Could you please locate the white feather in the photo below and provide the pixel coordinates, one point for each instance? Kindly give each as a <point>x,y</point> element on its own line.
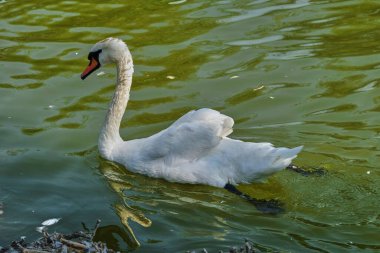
<point>50,222</point>
<point>40,229</point>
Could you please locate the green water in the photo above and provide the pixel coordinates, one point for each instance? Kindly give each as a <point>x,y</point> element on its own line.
<point>291,72</point>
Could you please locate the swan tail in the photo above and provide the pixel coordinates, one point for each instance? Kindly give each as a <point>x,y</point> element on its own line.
<point>227,125</point>
<point>285,156</point>
<point>271,162</point>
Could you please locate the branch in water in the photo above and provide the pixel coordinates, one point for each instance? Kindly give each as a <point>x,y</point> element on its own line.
<point>57,242</point>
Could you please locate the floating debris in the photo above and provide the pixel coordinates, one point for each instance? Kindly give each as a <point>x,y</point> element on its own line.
<point>84,242</point>
<point>234,77</point>
<point>57,242</point>
<point>50,222</point>
<point>271,97</point>
<point>170,77</point>
<point>313,171</point>
<point>101,73</point>
<point>368,172</point>
<point>258,88</point>
<point>40,229</point>
<point>178,2</point>
<point>1,209</point>
<point>248,247</point>
<point>46,223</point>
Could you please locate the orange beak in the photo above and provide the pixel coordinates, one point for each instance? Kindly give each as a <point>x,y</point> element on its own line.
<point>92,66</point>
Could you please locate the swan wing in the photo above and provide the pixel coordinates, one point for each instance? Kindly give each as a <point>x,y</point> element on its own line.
<point>222,124</point>
<point>191,137</point>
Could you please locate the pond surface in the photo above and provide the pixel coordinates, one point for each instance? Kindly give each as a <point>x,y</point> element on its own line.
<point>290,72</point>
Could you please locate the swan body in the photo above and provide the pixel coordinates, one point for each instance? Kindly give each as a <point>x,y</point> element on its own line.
<point>194,149</point>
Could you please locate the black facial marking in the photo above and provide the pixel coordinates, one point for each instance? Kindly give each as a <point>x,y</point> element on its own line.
<point>94,55</point>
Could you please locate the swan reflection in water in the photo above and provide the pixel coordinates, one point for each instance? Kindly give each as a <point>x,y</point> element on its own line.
<point>117,179</point>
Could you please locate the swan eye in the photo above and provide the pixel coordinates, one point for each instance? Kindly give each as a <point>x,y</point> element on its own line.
<point>94,55</point>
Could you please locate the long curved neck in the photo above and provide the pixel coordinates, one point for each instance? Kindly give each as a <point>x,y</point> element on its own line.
<point>110,135</point>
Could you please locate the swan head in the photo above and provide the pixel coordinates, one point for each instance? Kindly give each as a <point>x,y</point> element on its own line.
<point>110,50</point>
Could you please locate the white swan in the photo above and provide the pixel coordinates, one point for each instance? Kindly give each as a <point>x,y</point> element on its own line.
<point>194,149</point>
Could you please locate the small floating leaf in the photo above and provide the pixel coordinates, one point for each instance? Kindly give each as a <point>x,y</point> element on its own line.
<point>178,2</point>
<point>50,222</point>
<point>258,88</point>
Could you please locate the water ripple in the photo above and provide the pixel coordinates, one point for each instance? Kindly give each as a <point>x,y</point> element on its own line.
<point>248,14</point>
<point>292,73</point>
